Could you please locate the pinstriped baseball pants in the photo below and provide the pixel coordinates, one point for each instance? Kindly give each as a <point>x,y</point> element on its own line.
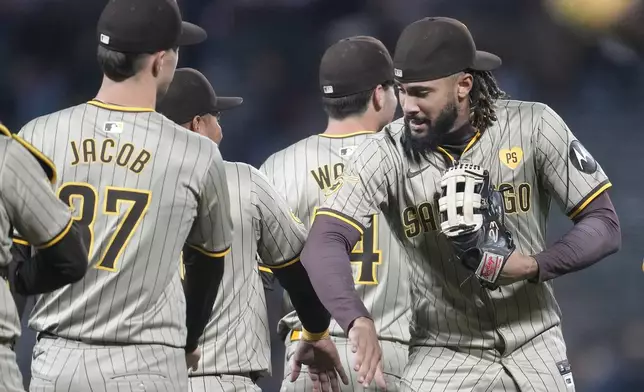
<point>70,366</point>
<point>394,356</point>
<point>223,383</point>
<point>530,368</point>
<point>10,377</point>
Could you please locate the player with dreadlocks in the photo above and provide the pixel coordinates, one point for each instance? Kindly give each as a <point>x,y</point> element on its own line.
<point>482,100</point>
<point>484,314</point>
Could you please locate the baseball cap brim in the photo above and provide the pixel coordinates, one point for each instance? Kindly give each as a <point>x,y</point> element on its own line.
<point>191,34</point>
<point>485,61</point>
<point>225,103</point>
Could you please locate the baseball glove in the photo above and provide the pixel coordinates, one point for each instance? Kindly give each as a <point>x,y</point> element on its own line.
<point>472,217</point>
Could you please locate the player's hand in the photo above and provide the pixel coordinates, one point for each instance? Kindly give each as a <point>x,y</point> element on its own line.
<point>518,267</point>
<point>192,359</point>
<point>321,356</point>
<point>368,360</point>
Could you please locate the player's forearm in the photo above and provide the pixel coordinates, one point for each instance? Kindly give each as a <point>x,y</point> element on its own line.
<point>596,234</point>
<point>326,259</point>
<point>310,310</point>
<point>54,267</point>
<point>201,283</point>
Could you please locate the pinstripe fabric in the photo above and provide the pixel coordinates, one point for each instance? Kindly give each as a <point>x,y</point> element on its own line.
<point>450,309</point>
<point>237,339</point>
<point>394,356</point>
<point>304,173</point>
<point>28,203</point>
<point>224,383</point>
<point>10,376</point>
<point>70,366</point>
<point>142,176</point>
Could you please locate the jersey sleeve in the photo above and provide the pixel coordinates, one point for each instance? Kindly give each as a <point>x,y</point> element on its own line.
<point>364,187</point>
<point>565,167</point>
<point>282,234</point>
<point>36,213</point>
<point>267,166</point>
<point>212,230</point>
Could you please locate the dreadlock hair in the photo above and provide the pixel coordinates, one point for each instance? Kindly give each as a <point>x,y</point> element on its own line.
<point>485,91</point>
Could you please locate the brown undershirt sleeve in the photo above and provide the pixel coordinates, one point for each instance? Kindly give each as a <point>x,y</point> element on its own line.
<point>326,259</point>
<point>596,234</point>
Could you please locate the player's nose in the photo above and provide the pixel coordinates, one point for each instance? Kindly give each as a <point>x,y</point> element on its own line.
<point>409,105</point>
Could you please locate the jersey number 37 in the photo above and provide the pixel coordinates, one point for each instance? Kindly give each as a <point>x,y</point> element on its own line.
<point>85,198</point>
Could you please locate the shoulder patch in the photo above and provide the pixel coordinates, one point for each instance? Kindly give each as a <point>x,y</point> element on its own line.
<point>581,158</point>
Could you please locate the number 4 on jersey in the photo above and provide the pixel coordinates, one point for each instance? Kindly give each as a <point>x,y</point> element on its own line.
<point>367,255</point>
<point>87,196</point>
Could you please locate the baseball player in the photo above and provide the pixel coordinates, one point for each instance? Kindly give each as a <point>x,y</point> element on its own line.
<point>356,79</point>
<point>235,346</point>
<point>28,203</point>
<point>484,314</point>
<point>145,187</point>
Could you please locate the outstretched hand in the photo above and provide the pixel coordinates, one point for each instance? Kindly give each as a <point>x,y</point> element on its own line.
<point>366,346</point>
<point>321,356</point>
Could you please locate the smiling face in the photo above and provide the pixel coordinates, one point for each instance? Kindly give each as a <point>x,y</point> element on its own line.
<point>431,108</point>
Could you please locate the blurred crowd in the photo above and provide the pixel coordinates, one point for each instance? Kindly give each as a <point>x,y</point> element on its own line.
<point>267,51</point>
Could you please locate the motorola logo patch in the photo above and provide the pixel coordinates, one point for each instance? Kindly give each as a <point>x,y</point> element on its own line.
<point>581,158</point>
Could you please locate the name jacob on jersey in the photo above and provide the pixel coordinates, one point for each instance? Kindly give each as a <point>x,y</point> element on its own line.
<point>109,151</point>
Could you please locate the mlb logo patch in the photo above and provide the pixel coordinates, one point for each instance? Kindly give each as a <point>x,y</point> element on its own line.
<point>113,127</point>
<point>328,89</point>
<point>398,72</point>
<point>105,39</point>
<point>347,151</point>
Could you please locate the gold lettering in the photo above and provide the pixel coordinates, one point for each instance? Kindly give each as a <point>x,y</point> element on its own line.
<point>76,154</point>
<point>122,159</point>
<point>140,161</point>
<point>89,151</point>
<point>107,158</point>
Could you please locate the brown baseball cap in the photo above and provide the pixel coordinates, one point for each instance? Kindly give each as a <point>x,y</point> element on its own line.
<point>190,94</point>
<point>145,26</point>
<point>436,47</point>
<point>353,65</point>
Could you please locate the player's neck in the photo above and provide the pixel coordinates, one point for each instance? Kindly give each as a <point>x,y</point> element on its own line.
<point>350,125</point>
<point>129,93</point>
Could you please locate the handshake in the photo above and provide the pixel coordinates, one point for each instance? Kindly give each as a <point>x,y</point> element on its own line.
<point>324,366</point>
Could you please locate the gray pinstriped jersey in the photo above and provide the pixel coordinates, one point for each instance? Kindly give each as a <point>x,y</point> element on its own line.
<point>28,203</point>
<point>531,149</point>
<point>237,338</point>
<point>304,173</point>
<point>145,186</point>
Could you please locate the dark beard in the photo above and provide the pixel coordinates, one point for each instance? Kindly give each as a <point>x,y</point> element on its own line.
<point>416,147</point>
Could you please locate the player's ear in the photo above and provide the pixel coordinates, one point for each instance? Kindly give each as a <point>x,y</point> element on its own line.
<point>195,124</point>
<point>464,83</point>
<point>157,63</point>
<point>378,98</point>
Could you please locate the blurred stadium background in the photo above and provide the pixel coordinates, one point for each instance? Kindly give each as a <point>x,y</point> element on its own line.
<point>582,57</point>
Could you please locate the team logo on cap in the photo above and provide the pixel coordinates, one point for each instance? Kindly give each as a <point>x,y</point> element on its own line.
<point>398,72</point>
<point>328,89</point>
